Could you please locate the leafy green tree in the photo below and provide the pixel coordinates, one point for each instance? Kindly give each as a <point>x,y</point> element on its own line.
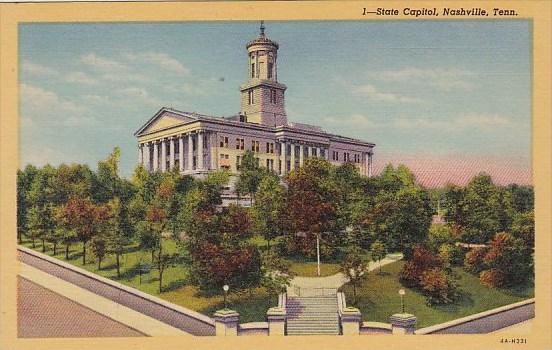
<point>354,266</point>
<point>378,252</point>
<point>251,175</point>
<point>522,197</point>
<point>99,248</point>
<point>107,183</point>
<point>511,257</point>
<point>40,216</point>
<point>25,179</point>
<point>268,210</point>
<point>454,207</point>
<point>276,274</point>
<point>523,226</point>
<point>438,235</point>
<point>120,230</point>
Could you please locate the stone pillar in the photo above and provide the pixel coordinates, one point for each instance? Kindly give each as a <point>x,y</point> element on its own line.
<point>350,321</point>
<point>163,155</point>
<point>140,154</point>
<point>309,151</point>
<point>292,157</point>
<point>370,164</point>
<point>213,149</point>
<point>147,161</point>
<point>402,323</point>
<point>190,151</point>
<point>171,156</point>
<point>181,153</point>
<point>200,150</point>
<point>226,322</point>
<point>155,156</point>
<point>318,152</point>
<point>283,157</point>
<point>327,153</point>
<point>301,155</point>
<point>276,317</point>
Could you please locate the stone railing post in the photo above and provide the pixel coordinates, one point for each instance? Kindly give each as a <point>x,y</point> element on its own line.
<point>276,317</point>
<point>226,322</point>
<point>402,323</point>
<point>350,321</point>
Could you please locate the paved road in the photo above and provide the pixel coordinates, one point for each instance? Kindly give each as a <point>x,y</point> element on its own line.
<point>333,281</point>
<point>157,311</point>
<point>43,313</point>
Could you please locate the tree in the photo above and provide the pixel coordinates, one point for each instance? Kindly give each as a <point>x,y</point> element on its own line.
<point>40,215</point>
<point>354,266</point>
<point>378,252</point>
<point>276,275</point>
<point>311,200</point>
<point>422,260</point>
<point>86,218</point>
<point>99,249</point>
<point>474,260</point>
<point>511,257</point>
<point>523,226</point>
<point>251,175</point>
<point>107,183</point>
<point>25,179</point>
<point>268,211</point>
<point>163,262</point>
<point>120,231</point>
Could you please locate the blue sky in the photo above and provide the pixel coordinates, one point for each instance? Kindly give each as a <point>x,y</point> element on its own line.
<point>449,99</point>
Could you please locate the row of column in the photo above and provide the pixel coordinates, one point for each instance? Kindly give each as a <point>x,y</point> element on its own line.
<point>292,145</point>
<point>145,151</point>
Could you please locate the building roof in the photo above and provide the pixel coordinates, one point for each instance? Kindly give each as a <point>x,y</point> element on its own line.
<point>188,117</point>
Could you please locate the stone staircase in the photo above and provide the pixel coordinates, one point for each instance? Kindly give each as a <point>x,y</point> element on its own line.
<point>316,315</point>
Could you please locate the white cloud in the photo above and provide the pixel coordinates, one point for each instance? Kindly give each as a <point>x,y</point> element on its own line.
<point>371,92</point>
<point>444,79</point>
<point>80,78</point>
<point>462,122</point>
<point>102,63</point>
<point>161,59</point>
<point>37,99</point>
<point>356,119</point>
<point>37,69</point>
<point>78,120</point>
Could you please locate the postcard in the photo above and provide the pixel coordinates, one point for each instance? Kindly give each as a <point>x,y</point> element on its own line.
<point>294,174</point>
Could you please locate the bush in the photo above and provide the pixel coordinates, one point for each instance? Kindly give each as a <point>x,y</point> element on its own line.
<point>458,255</point>
<point>438,287</point>
<point>422,260</point>
<point>492,278</point>
<point>512,257</point>
<point>474,261</point>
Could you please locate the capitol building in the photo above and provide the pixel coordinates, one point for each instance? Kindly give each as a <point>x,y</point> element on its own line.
<point>197,144</point>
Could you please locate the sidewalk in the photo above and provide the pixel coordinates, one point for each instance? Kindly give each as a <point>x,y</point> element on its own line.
<point>101,305</point>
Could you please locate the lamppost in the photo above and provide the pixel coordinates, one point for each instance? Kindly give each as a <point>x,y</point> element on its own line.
<point>225,288</point>
<point>402,293</point>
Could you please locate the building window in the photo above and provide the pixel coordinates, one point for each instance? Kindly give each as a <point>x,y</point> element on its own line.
<point>238,162</point>
<point>251,97</point>
<point>255,146</point>
<point>243,118</point>
<point>273,96</point>
<point>335,155</point>
<point>252,70</point>
<point>237,143</point>
<point>268,163</point>
<point>223,141</point>
<point>269,70</point>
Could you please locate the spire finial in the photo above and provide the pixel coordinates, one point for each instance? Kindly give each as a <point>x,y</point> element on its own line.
<point>262,28</point>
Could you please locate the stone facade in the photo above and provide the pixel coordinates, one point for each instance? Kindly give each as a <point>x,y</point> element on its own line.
<point>197,144</point>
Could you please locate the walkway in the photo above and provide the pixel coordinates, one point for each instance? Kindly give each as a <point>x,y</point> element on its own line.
<point>42,313</point>
<point>332,282</point>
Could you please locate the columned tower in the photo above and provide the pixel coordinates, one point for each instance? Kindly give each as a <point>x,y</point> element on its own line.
<point>262,96</point>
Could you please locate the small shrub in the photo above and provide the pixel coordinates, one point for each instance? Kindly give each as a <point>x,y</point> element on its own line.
<point>438,287</point>
<point>422,259</point>
<point>492,278</point>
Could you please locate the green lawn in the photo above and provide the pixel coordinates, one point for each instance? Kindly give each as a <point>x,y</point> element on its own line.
<point>378,298</point>
<point>306,268</point>
<point>251,306</point>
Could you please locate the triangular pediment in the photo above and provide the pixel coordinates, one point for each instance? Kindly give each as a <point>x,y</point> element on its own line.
<point>164,119</point>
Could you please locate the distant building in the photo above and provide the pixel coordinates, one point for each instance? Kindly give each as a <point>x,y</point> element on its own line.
<point>197,144</point>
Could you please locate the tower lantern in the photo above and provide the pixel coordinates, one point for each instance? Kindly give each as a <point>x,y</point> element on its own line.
<point>262,96</point>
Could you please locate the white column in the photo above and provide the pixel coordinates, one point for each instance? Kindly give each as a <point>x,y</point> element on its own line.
<point>163,155</point>
<point>155,156</point>
<point>292,157</point>
<point>309,151</point>
<point>301,155</point>
<point>147,157</point>
<point>370,164</point>
<point>190,151</point>
<point>213,149</point>
<point>140,155</point>
<point>327,153</point>
<point>283,157</point>
<point>318,152</point>
<point>200,150</point>
<point>181,153</point>
<point>171,155</point>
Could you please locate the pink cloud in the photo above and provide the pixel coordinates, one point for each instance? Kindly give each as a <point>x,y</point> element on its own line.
<point>438,170</point>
